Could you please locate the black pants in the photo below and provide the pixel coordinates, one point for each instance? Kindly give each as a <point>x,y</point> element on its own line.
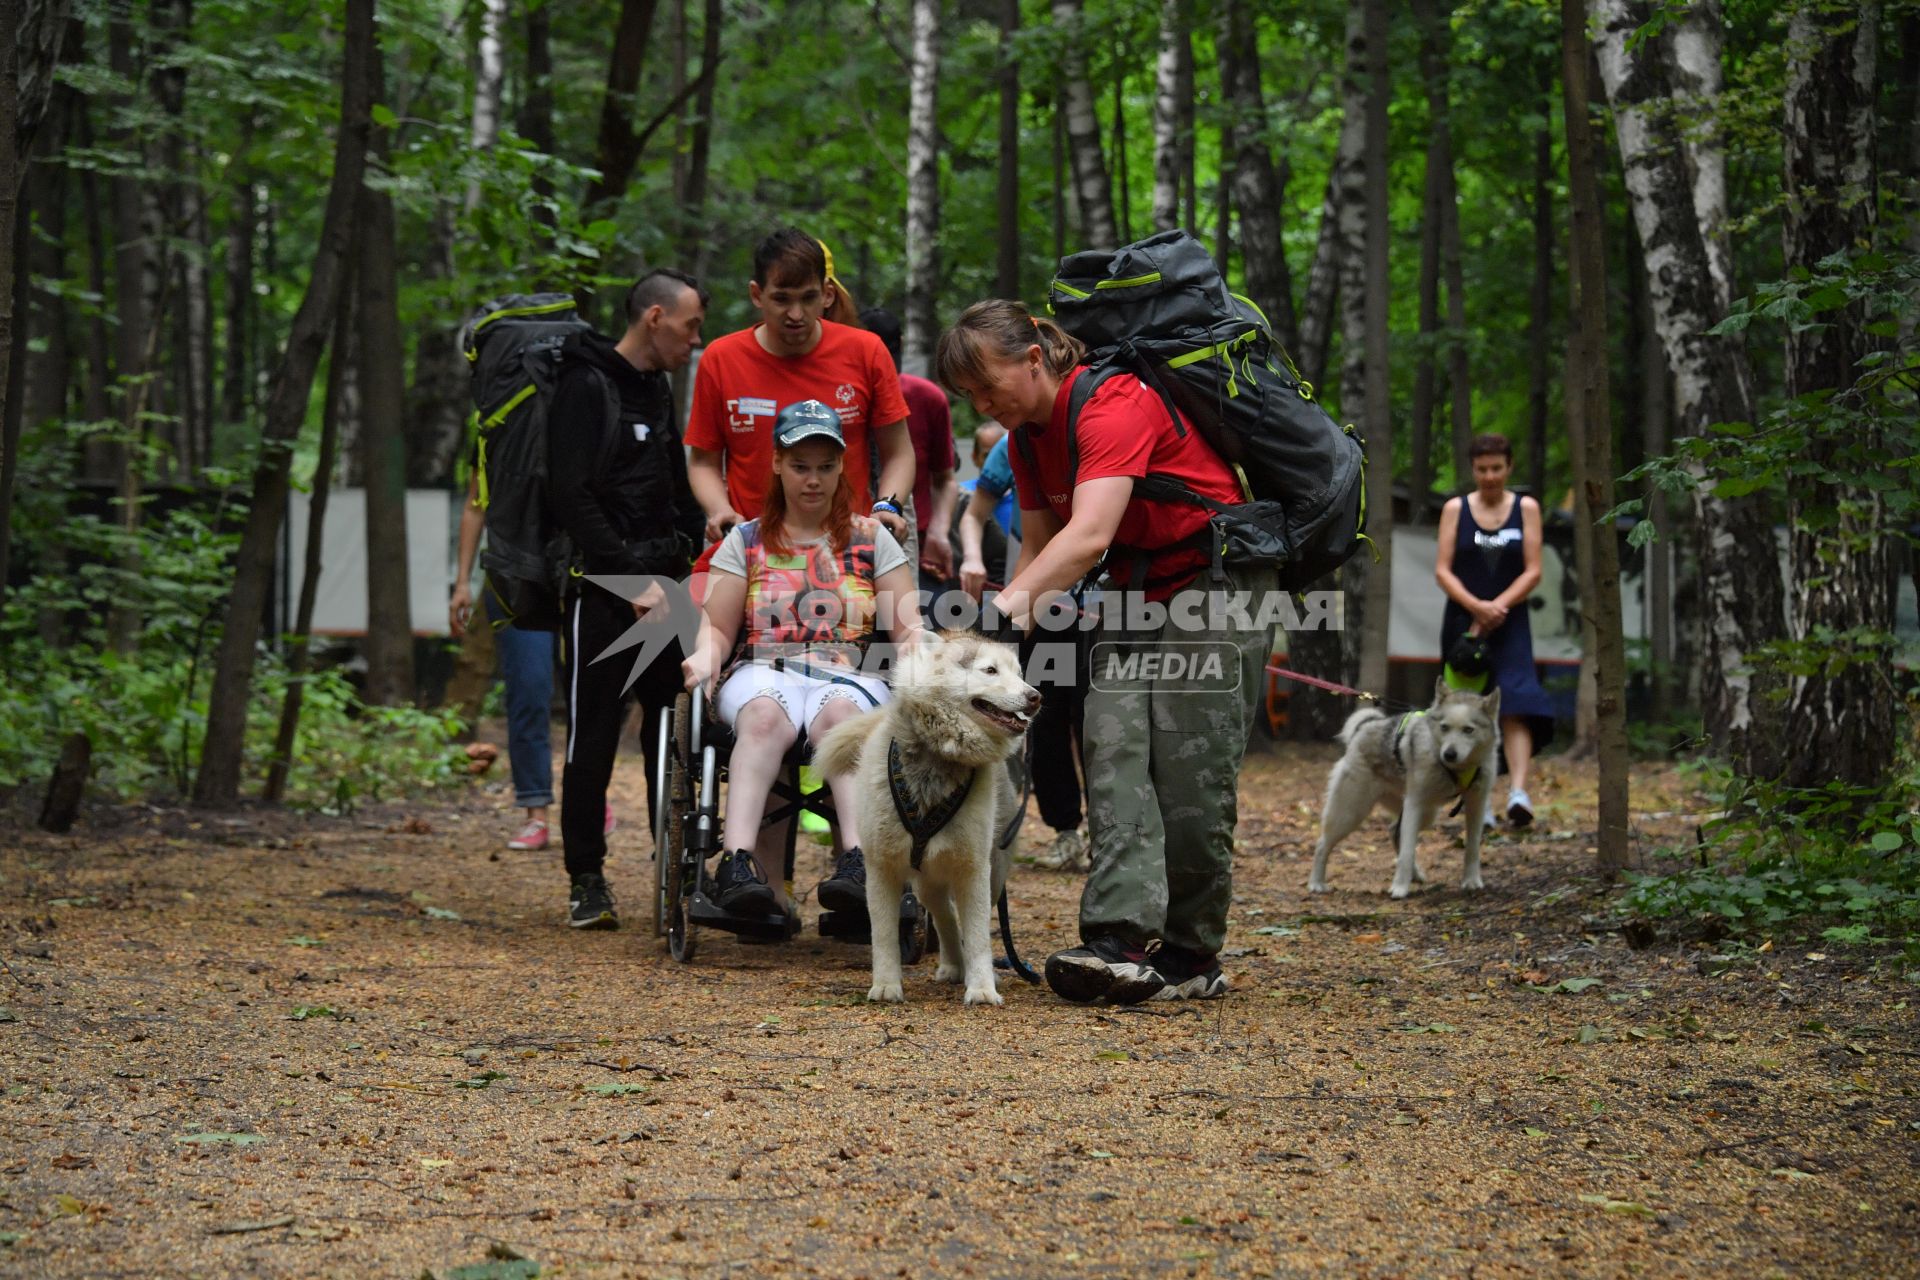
<point>1056,754</point>
<point>596,710</point>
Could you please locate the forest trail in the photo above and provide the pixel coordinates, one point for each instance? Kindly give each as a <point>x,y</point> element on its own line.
<point>274,1045</point>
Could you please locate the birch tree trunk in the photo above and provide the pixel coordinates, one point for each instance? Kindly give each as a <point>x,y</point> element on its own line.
<point>923,188</point>
<point>1428,288</point>
<point>1587,390</point>
<point>1697,38</point>
<point>1092,187</point>
<point>1378,422</point>
<point>1540,296</point>
<point>1841,718</point>
<point>1743,609</point>
<point>1259,187</point>
<point>536,106</point>
<point>1340,216</point>
<point>1007,187</point>
<point>383,435</point>
<point>1184,134</point>
<point>218,783</point>
<point>489,72</point>
<point>1176,48</point>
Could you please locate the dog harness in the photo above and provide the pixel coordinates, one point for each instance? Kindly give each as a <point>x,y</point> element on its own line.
<point>921,826</point>
<point>1461,781</point>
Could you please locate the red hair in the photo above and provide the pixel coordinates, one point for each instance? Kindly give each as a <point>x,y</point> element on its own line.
<point>773,514</point>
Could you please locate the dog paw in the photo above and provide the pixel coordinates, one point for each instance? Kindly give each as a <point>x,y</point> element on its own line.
<point>889,992</point>
<point>947,972</point>
<point>1473,882</point>
<point>983,995</point>
<point>1317,886</point>
<point>1399,891</point>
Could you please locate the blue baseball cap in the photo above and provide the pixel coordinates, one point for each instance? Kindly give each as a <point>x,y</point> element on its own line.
<point>804,420</point>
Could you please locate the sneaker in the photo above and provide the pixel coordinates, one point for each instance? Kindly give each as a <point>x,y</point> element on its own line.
<point>846,888</point>
<point>592,903</point>
<point>1068,852</point>
<point>740,889</point>
<point>611,824</point>
<point>1519,809</point>
<point>1105,968</point>
<point>1189,975</point>
<point>532,836</point>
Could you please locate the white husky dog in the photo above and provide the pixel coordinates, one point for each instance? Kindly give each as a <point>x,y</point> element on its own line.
<point>1422,760</point>
<point>937,797</point>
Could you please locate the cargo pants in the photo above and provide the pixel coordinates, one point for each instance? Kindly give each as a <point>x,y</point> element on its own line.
<point>1163,743</point>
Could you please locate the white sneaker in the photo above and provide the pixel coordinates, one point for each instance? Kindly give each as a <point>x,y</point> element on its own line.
<point>1519,809</point>
<point>1068,852</point>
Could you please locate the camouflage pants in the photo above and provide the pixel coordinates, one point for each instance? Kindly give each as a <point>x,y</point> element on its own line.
<point>1163,743</point>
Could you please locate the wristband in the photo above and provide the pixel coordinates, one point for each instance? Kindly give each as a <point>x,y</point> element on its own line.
<point>888,505</point>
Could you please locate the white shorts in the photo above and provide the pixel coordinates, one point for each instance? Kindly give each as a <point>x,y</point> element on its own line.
<point>800,696</point>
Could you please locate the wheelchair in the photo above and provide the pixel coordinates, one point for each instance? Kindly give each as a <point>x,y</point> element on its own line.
<point>689,776</point>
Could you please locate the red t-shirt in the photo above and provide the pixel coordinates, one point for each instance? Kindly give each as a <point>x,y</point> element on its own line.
<point>930,423</point>
<point>740,386</point>
<point>1124,430</point>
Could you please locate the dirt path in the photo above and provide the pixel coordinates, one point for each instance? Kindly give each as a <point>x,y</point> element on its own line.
<point>281,1047</point>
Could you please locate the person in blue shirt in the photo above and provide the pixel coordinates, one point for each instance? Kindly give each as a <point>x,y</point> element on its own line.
<point>1055,734</point>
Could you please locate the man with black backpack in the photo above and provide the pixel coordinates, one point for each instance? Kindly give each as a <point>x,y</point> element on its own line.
<point>617,485</point>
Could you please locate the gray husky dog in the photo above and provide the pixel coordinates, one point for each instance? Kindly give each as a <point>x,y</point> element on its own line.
<point>938,803</point>
<point>1422,760</point>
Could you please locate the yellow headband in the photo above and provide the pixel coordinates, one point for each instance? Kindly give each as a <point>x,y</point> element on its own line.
<point>831,278</point>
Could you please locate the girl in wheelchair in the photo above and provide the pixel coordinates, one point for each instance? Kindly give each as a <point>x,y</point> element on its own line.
<point>801,591</point>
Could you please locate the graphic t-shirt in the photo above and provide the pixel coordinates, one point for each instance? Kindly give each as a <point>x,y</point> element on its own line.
<point>740,386</point>
<point>1124,430</point>
<point>812,600</point>
<point>930,425</point>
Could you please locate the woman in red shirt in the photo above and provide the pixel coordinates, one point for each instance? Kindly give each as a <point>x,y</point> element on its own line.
<point>1169,699</point>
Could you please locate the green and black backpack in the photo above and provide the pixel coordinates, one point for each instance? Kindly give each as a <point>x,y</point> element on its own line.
<point>1160,310</point>
<point>513,344</point>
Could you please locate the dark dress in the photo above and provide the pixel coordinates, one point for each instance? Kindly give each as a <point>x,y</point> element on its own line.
<point>1487,561</point>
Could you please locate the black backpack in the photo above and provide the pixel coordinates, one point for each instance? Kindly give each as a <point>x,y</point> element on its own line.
<point>513,344</point>
<point>1160,310</point>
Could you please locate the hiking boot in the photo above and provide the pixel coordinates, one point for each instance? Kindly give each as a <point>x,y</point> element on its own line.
<point>1189,975</point>
<point>846,888</point>
<point>532,836</point>
<point>1068,852</point>
<point>1519,809</point>
<point>740,889</point>
<point>591,905</point>
<point>1104,968</point>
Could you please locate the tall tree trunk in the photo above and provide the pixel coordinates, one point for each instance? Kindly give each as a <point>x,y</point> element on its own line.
<point>1007,188</point>
<point>1697,38</point>
<point>300,643</point>
<point>1185,134</point>
<point>1176,52</point>
<point>383,436</point>
<point>489,73</point>
<point>11,221</point>
<point>1436,55</point>
<point>923,188</point>
<point>1379,416</point>
<point>536,108</point>
<point>1655,385</point>
<point>1123,198</point>
<point>218,783</point>
<point>1587,389</point>
<point>1259,186</point>
<point>236,382</point>
<point>1428,289</point>
<point>1059,173</point>
<point>1324,277</point>
<point>619,145</point>
<point>98,389</point>
<point>1743,608</point>
<point>1841,717</point>
<point>1092,188</point>
<point>1540,296</point>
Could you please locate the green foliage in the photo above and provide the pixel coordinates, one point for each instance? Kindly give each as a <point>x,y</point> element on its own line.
<point>1835,862</point>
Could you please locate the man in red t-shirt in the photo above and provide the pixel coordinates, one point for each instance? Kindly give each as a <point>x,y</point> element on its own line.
<point>936,482</point>
<point>793,354</point>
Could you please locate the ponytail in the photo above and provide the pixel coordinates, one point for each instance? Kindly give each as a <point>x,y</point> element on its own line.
<point>1003,329</point>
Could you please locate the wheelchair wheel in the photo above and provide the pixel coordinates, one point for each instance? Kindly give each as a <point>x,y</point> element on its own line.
<point>682,867</point>
<point>666,801</point>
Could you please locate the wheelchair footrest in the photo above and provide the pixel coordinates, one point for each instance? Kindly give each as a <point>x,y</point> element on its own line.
<point>708,914</point>
<point>851,926</point>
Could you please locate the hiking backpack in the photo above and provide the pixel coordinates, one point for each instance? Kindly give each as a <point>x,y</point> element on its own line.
<point>1160,310</point>
<point>513,344</point>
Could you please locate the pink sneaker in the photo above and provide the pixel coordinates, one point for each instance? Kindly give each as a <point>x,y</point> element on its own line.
<point>532,836</point>
<point>612,822</point>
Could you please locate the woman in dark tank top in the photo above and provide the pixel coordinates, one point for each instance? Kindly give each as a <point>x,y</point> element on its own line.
<point>1488,564</point>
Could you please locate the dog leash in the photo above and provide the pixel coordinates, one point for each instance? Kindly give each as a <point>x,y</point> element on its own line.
<point>1328,685</point>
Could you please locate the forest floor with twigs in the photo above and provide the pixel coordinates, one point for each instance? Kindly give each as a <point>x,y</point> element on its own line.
<point>271,1044</point>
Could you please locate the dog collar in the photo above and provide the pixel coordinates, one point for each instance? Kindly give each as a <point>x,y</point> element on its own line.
<point>922,827</point>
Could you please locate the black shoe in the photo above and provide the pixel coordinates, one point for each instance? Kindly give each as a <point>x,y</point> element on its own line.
<point>591,903</point>
<point>846,889</point>
<point>740,889</point>
<point>1189,975</point>
<point>1105,968</point>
